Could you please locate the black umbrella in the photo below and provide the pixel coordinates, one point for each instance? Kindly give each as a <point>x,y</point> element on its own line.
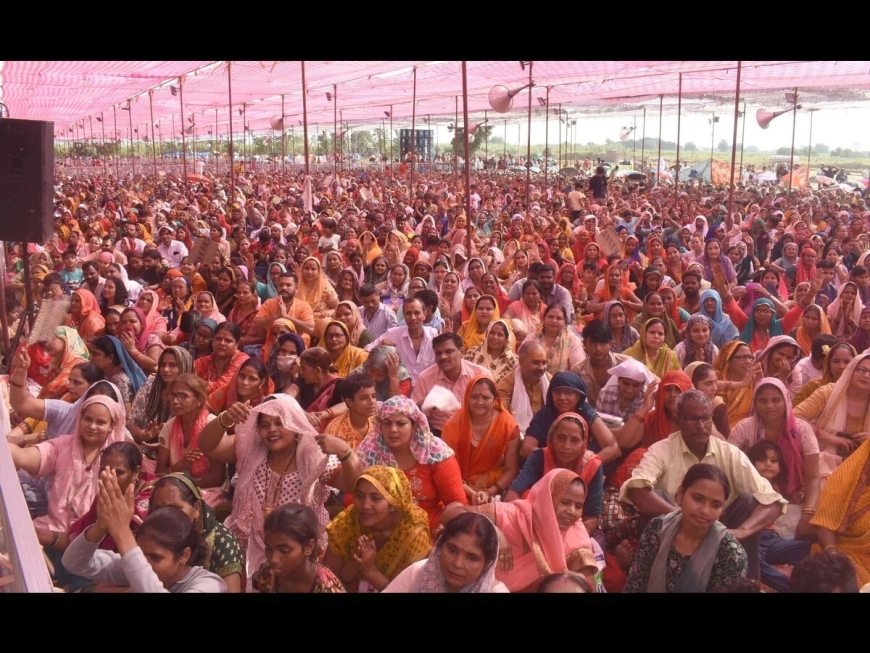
<point>635,176</point>
<point>569,172</point>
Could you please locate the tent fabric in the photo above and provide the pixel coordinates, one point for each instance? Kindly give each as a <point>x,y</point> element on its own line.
<point>69,92</point>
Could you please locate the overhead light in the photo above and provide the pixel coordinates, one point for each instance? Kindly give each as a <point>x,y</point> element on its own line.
<point>523,64</point>
<point>387,114</point>
<point>542,102</point>
<point>791,98</point>
<point>99,119</point>
<point>328,97</point>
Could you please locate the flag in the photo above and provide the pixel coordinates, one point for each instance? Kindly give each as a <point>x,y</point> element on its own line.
<point>173,90</point>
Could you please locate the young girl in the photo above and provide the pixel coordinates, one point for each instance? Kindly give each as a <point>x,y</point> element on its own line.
<point>689,550</point>
<point>773,549</point>
<point>291,555</point>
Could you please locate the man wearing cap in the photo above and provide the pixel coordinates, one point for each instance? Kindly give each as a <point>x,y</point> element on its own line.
<point>173,251</point>
<point>624,393</point>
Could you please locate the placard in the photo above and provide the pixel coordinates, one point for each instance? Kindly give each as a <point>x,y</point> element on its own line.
<point>609,241</point>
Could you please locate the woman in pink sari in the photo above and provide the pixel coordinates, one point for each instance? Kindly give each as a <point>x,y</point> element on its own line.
<point>541,535</point>
<point>149,302</point>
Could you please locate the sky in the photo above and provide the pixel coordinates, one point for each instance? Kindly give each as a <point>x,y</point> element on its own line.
<point>833,127</point>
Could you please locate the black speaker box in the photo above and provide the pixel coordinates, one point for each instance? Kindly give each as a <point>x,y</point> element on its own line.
<point>26,180</point>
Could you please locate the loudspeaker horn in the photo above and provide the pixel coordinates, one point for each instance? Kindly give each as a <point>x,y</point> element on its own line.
<point>763,117</point>
<point>277,123</point>
<point>501,98</point>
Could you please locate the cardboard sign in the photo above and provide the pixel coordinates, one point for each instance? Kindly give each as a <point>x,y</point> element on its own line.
<point>203,251</point>
<point>609,241</point>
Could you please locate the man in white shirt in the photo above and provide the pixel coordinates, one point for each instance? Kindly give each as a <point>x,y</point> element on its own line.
<point>130,243</point>
<point>173,251</point>
<point>376,317</point>
<point>413,342</point>
<point>450,372</point>
<point>751,506</point>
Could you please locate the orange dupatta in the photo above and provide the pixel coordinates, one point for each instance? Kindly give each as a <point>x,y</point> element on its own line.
<point>481,466</point>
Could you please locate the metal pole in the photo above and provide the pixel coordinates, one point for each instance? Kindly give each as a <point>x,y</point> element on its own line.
<point>742,140</point>
<point>728,219</point>
<point>546,135</point>
<point>334,129</point>
<point>117,147</point>
<point>634,144</point>
<point>810,151</point>
<point>793,128</point>
<point>467,167</point>
<point>305,121</point>
<point>232,197</point>
<point>283,143</point>
<point>504,145</point>
<point>130,118</point>
<point>183,138</point>
<point>486,140</point>
<point>560,134</point>
<point>679,109</point>
<point>643,140</point>
<point>391,141</point>
<point>529,144</point>
<point>456,142</point>
<point>153,146</point>
<point>414,133</point>
<point>214,141</point>
<point>712,138</point>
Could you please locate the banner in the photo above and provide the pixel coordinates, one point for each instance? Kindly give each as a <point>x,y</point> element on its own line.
<point>722,174</point>
<point>801,178</point>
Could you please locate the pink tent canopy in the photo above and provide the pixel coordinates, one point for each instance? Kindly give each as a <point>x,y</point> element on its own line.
<point>69,91</point>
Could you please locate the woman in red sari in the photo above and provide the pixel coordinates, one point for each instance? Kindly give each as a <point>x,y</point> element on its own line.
<point>486,439</point>
<point>85,316</point>
<point>660,422</point>
<point>219,368</point>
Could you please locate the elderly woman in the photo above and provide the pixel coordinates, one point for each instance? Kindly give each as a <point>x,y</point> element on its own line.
<point>402,439</point>
<point>497,352</point>
<point>337,342</point>
<point>779,359</point>
<point>279,459</point>
<point>384,367</point>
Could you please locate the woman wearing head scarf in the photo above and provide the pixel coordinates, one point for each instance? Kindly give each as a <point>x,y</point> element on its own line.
<point>315,289</point>
<point>497,350</point>
<point>813,323</point>
<point>348,313</point>
<point>779,359</point>
<point>225,291</point>
<point>394,290</point>
<point>67,350</point>
<point>377,271</point>
<point>206,304</point>
<point>134,288</point>
<point>698,345</point>
<point>72,461</point>
<point>85,315</point>
<point>654,307</point>
<point>844,312</point>
<point>380,534</point>
<point>486,439</point>
<point>542,534</point>
<point>385,368</point>
<point>861,338</point>
<point>149,303</point>
<point>179,300</point>
<point>564,348</point>
<point>652,350</point>
<point>278,460</point>
<point>337,342</point>
<point>427,461</point>
<point>736,379</point>
<point>268,290</point>
<point>723,330</point>
<point>623,334</point>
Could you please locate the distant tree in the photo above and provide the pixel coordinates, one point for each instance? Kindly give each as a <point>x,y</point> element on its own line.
<point>496,140</point>
<point>751,148</point>
<point>690,147</point>
<point>821,148</point>
<point>783,150</point>
<point>723,146</point>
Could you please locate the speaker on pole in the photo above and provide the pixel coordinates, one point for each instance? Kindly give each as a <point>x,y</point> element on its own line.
<point>26,180</point>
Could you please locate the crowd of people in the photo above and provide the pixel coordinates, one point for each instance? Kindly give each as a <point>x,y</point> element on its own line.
<point>598,385</point>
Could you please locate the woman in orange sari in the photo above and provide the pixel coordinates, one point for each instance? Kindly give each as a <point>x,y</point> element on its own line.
<point>486,439</point>
<point>541,535</point>
<point>660,422</point>
<point>615,286</point>
<point>733,368</point>
<point>85,316</point>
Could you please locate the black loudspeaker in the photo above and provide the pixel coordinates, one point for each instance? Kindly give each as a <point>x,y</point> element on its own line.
<point>422,146</point>
<point>26,180</point>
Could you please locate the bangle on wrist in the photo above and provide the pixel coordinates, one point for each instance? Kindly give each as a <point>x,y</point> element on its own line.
<point>54,539</point>
<point>637,418</point>
<point>347,455</point>
<point>806,510</point>
<point>221,421</point>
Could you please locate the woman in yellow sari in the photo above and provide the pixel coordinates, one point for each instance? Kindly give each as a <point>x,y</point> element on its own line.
<point>736,385</point>
<point>651,349</point>
<point>842,518</point>
<point>369,247</point>
<point>837,358</point>
<point>486,439</point>
<point>314,288</point>
<point>382,533</point>
<point>345,357</point>
<point>474,331</point>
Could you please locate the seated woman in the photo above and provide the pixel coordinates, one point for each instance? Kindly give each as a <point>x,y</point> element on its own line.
<point>564,348</point>
<point>861,338</point>
<point>463,560</point>
<point>279,458</point>
<point>497,350</point>
<point>67,350</point>
<point>151,405</point>
<point>842,521</point>
<point>337,342</point>
<point>163,556</point>
<point>567,448</point>
<point>652,350</point>
<point>486,439</point>
<point>85,316</point>
<point>689,550</point>
<point>654,307</point>
<point>348,314</point>
<point>539,535</point>
<point>840,413</point>
<point>72,462</point>
<point>844,313</point>
<point>200,343</point>
<point>473,332</point>
<point>737,375</point>
<point>773,419</point>
<point>567,394</point>
<point>402,439</point>
<point>222,555</point>
<point>315,289</point>
<point>148,303</point>
<point>530,309</point>
<point>698,345</point>
<point>251,384</point>
<point>704,379</point>
<point>245,310</point>
<point>219,369</point>
<point>143,346</point>
<point>278,328</point>
<point>179,449</point>
<point>283,365</point>
<point>384,367</point>
<point>779,359</point>
<point>315,386</point>
<point>380,534</point>
<point>834,364</point>
<point>118,367</point>
<point>724,330</point>
<point>813,322</point>
<point>650,426</point>
<point>624,335</point>
<point>292,555</point>
<point>226,285</point>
